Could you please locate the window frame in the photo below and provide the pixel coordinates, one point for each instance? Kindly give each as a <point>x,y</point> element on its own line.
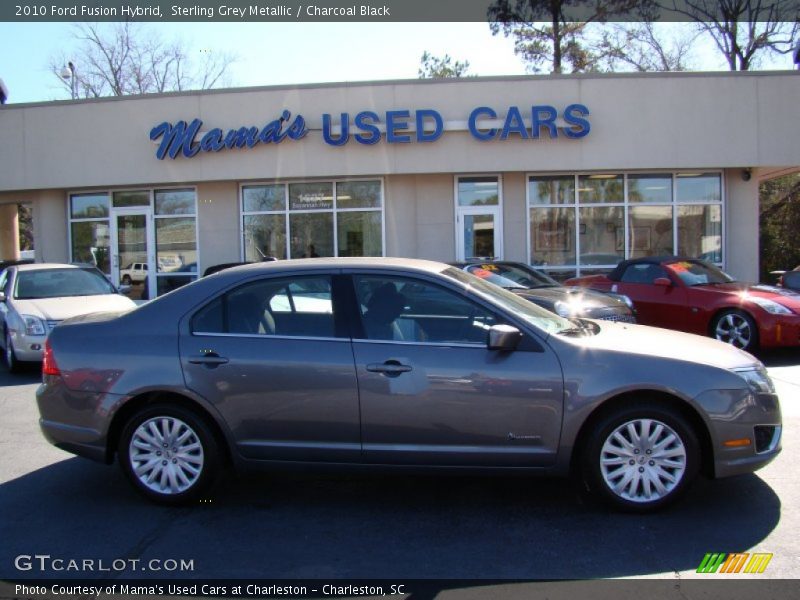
<point>287,211</point>
<point>579,269</point>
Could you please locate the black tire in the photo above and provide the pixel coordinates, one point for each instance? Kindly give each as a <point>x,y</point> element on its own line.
<point>200,432</point>
<point>126,280</point>
<point>735,327</point>
<point>14,365</point>
<point>639,495</point>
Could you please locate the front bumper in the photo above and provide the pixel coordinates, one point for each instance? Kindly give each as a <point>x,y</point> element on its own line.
<point>776,331</point>
<point>28,348</point>
<point>745,430</point>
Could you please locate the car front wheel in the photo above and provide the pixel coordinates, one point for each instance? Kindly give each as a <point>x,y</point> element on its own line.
<point>641,458</point>
<point>12,363</point>
<point>737,328</point>
<point>169,454</point>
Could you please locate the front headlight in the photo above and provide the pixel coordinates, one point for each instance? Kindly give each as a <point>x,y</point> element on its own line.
<point>568,309</point>
<point>33,325</point>
<point>757,378</point>
<point>770,306</point>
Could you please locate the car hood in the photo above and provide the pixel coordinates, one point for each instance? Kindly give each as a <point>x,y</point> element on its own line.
<point>551,295</point>
<point>58,309</point>
<point>665,343</point>
<point>789,298</point>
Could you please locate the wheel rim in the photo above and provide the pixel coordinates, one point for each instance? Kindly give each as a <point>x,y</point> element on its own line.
<point>166,455</point>
<point>734,329</point>
<point>643,460</point>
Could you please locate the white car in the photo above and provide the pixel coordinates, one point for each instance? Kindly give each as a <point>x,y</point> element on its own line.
<point>34,298</point>
<point>133,273</point>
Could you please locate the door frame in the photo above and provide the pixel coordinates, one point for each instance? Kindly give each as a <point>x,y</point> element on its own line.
<point>495,211</point>
<point>150,236</point>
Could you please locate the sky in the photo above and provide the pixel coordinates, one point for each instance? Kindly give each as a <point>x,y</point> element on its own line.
<point>289,53</point>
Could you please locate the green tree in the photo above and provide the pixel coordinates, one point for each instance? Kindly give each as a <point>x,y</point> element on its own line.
<point>779,225</point>
<point>548,34</point>
<point>433,67</point>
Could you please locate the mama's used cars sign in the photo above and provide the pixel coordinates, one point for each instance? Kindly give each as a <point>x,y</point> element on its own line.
<point>368,127</point>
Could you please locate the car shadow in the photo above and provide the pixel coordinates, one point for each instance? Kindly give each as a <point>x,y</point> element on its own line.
<point>304,525</point>
<point>780,357</point>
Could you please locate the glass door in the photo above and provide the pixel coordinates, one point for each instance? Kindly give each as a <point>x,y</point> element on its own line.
<point>478,233</point>
<point>132,262</point>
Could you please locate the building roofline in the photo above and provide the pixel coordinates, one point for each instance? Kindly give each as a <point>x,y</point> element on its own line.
<point>394,82</point>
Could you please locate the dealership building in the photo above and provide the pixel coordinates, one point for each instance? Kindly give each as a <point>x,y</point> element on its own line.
<point>568,173</point>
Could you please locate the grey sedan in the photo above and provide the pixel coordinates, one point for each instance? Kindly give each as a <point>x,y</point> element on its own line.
<point>397,363</point>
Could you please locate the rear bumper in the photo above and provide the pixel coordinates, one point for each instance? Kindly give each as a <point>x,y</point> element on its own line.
<point>77,440</point>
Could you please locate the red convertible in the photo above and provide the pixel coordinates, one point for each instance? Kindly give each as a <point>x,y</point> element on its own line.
<point>692,295</point>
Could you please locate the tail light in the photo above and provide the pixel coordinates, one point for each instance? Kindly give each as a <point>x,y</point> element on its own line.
<point>49,366</point>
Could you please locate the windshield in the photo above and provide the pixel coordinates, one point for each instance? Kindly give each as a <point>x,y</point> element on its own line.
<point>526,310</point>
<point>699,273</point>
<point>59,283</point>
<point>511,276</point>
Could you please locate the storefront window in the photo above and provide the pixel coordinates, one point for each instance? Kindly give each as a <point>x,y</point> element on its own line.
<point>90,244</point>
<point>359,233</point>
<point>551,190</point>
<point>650,231</point>
<point>618,216</point>
<point>600,188</point>
<point>650,188</point>
<point>700,232</point>
<point>324,218</point>
<point>602,235</point>
<point>175,202</point>
<point>132,198</point>
<point>89,206</point>
<point>552,236</point>
<point>701,187</point>
<point>264,236</point>
<point>478,191</point>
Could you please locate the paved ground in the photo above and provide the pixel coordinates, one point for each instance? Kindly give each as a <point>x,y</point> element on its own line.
<point>345,526</point>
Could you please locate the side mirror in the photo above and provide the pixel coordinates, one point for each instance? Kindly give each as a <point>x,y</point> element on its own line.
<point>662,282</point>
<point>503,338</point>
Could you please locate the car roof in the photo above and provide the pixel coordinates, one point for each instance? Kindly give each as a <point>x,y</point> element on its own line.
<point>616,274</point>
<point>43,266</point>
<point>372,262</point>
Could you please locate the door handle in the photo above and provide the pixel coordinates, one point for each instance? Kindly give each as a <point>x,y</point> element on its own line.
<point>390,368</point>
<point>209,359</point>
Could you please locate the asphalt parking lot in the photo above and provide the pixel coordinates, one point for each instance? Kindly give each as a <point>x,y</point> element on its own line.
<point>312,525</point>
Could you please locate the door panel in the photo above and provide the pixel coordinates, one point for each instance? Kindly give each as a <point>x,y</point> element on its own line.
<point>266,354</point>
<point>458,405</point>
<point>432,393</point>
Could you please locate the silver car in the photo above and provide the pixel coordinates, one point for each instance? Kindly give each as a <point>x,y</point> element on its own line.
<point>396,362</point>
<point>36,297</point>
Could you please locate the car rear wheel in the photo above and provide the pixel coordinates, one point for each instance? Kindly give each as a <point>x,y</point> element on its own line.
<point>737,328</point>
<point>14,365</point>
<point>169,454</point>
<point>641,458</point>
<point>126,279</point>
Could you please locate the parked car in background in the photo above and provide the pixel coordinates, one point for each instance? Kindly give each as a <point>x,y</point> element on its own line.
<point>791,279</point>
<point>382,362</point>
<point>133,273</point>
<point>545,291</point>
<point>34,298</point>
<point>693,295</point>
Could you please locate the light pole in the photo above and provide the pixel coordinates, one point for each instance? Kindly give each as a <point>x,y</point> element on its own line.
<point>68,74</point>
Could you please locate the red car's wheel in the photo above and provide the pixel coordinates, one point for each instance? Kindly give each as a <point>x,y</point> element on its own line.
<point>737,328</point>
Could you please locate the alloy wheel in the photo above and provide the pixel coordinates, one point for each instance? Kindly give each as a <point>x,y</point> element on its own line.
<point>166,455</point>
<point>734,329</point>
<point>643,460</point>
